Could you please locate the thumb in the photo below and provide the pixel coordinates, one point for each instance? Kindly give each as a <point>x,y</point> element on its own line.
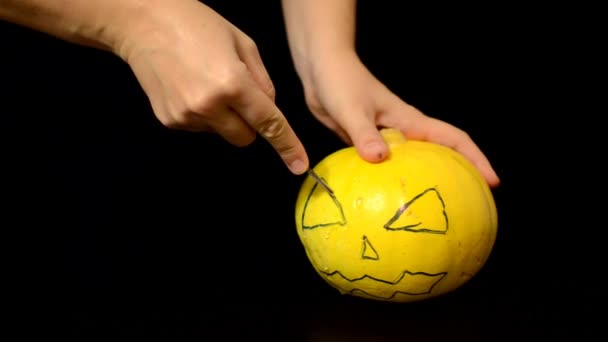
<point>366,138</point>
<point>250,55</point>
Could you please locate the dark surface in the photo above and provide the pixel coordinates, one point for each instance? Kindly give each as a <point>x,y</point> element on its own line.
<point>127,229</point>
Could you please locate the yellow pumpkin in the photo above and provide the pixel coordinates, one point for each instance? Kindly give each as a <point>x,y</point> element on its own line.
<point>417,225</point>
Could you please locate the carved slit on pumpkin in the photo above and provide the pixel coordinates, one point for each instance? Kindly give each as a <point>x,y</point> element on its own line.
<point>434,221</point>
<point>331,207</point>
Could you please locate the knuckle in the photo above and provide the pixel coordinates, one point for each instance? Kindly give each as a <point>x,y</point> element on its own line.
<point>312,101</point>
<point>177,109</point>
<point>188,118</point>
<point>225,86</point>
<point>199,101</point>
<point>230,84</point>
<point>461,133</point>
<point>272,127</point>
<point>170,117</point>
<point>287,151</point>
<point>270,90</point>
<point>182,120</point>
<point>201,104</point>
<point>172,123</point>
<point>167,121</point>
<point>181,116</point>
<point>250,45</point>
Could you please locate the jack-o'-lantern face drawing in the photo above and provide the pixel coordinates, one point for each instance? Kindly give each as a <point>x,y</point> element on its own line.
<point>416,226</point>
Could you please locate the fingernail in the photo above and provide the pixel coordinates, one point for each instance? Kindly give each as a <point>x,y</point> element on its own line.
<point>297,166</point>
<point>376,149</point>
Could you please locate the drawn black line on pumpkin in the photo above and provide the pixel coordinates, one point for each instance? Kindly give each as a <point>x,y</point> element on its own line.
<point>422,283</point>
<point>368,251</point>
<point>396,223</point>
<point>428,279</point>
<point>386,234</point>
<point>334,205</point>
<point>399,220</point>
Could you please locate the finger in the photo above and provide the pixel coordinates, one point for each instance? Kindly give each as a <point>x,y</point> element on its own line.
<point>264,117</point>
<point>443,133</point>
<point>250,55</point>
<point>364,134</point>
<point>229,125</point>
<point>190,122</point>
<point>330,123</point>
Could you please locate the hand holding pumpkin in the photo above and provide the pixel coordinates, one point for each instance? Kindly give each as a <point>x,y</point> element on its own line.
<point>343,94</point>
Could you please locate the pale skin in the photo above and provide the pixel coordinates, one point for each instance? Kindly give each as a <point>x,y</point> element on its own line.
<point>201,73</point>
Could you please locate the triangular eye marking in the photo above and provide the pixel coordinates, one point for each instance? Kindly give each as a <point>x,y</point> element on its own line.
<point>369,252</point>
<point>431,218</point>
<point>328,210</point>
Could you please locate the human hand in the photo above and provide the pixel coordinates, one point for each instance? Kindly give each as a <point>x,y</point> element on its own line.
<point>343,95</point>
<point>201,73</point>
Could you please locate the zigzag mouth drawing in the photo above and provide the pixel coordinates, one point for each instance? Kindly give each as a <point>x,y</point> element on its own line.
<point>405,284</point>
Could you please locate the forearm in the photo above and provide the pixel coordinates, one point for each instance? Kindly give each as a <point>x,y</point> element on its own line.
<point>95,23</point>
<point>319,29</point>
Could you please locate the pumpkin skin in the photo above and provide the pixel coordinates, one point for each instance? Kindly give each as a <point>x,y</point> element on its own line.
<point>418,225</point>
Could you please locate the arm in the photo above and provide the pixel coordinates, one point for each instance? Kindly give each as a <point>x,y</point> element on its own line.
<point>318,30</point>
<point>200,72</point>
<point>86,22</point>
<point>343,94</point>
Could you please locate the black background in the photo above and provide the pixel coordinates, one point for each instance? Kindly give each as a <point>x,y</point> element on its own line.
<point>127,229</point>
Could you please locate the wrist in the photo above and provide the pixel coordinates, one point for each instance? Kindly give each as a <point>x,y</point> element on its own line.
<point>119,25</point>
<point>145,24</point>
<point>103,25</point>
<point>322,60</point>
<point>110,25</point>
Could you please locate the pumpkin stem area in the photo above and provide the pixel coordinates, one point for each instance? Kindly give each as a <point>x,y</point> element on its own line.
<point>392,136</point>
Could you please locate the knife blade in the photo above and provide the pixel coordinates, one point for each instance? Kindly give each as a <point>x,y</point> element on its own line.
<point>321,182</point>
